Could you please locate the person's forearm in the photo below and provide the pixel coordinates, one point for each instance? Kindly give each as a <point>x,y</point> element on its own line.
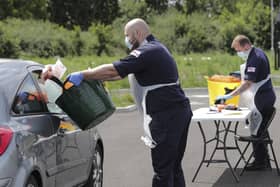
<point>244,86</point>
<point>113,78</point>
<point>102,72</point>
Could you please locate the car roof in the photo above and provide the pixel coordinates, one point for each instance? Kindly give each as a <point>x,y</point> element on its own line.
<point>12,73</point>
<point>13,70</point>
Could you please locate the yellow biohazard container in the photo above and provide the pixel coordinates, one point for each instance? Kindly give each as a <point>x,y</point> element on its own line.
<point>218,88</point>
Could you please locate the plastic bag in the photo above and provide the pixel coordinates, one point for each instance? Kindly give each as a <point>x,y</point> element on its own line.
<point>58,69</point>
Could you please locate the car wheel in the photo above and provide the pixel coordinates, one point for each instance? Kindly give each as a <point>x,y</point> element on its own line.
<point>32,182</point>
<point>96,175</point>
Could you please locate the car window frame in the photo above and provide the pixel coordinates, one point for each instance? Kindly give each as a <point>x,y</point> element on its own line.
<point>61,114</point>
<point>31,69</point>
<point>13,113</point>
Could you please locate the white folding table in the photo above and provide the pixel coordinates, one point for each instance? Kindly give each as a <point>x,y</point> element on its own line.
<point>222,121</point>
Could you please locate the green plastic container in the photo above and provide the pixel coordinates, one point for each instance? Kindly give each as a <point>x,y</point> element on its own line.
<point>87,104</point>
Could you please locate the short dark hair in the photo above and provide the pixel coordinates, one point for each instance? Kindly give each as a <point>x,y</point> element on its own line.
<point>242,40</point>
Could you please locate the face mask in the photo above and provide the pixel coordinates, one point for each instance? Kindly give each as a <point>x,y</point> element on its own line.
<point>127,43</point>
<point>243,54</point>
<point>131,46</point>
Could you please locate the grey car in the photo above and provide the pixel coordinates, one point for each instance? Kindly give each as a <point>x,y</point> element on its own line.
<point>39,144</point>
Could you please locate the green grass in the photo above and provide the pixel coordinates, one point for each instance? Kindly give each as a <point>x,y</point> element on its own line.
<point>192,69</point>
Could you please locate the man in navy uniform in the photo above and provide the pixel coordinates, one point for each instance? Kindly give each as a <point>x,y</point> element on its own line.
<point>166,111</point>
<point>257,92</point>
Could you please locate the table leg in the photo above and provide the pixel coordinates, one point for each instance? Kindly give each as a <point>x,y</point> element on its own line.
<point>236,142</point>
<point>204,151</point>
<point>242,156</point>
<point>225,151</point>
<point>238,148</point>
<point>217,137</point>
<point>224,147</point>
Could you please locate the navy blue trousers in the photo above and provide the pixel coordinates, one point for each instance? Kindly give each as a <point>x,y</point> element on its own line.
<point>260,148</point>
<point>170,130</point>
<point>264,102</point>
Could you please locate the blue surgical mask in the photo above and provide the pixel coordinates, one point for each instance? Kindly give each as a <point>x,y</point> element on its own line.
<point>128,43</point>
<point>243,54</point>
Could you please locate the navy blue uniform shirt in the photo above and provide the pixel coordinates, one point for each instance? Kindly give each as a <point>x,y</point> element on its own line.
<point>153,64</point>
<point>257,69</point>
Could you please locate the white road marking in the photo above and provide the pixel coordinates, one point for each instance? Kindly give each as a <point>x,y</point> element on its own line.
<point>198,96</point>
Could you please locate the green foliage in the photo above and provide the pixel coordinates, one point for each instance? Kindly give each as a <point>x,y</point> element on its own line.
<point>105,11</point>
<point>45,39</point>
<point>249,19</point>
<point>40,39</point>
<point>202,33</point>
<point>193,5</point>
<point>131,9</point>
<point>103,34</point>
<point>211,7</point>
<point>97,26</point>
<point>163,27</point>
<point>8,45</point>
<point>70,13</point>
<point>193,67</point>
<point>184,34</point>
<point>159,6</point>
<point>78,43</point>
<point>24,9</point>
<point>83,13</point>
<point>121,99</point>
<point>260,24</point>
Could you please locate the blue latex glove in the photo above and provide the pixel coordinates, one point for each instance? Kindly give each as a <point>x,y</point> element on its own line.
<point>23,96</point>
<point>224,97</point>
<point>75,78</point>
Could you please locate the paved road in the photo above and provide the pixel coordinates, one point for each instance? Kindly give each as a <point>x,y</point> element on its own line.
<point>128,164</point>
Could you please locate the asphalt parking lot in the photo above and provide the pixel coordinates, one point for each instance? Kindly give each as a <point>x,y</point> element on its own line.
<point>127,160</point>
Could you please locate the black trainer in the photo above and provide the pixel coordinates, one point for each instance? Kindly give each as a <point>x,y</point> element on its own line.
<point>257,166</point>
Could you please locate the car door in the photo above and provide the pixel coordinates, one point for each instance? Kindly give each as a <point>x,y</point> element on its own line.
<point>35,138</point>
<point>73,146</point>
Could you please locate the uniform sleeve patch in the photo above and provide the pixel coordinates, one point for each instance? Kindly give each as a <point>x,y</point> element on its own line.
<point>135,53</point>
<point>251,69</point>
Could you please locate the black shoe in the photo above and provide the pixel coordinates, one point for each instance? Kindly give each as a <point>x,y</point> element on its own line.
<point>254,166</point>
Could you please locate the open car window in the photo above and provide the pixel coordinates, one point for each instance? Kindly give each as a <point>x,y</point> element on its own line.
<point>50,90</point>
<point>28,98</point>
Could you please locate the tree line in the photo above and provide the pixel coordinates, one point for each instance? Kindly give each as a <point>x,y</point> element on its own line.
<point>184,25</point>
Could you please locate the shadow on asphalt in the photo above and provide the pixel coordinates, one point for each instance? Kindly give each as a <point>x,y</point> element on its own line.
<point>268,178</point>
